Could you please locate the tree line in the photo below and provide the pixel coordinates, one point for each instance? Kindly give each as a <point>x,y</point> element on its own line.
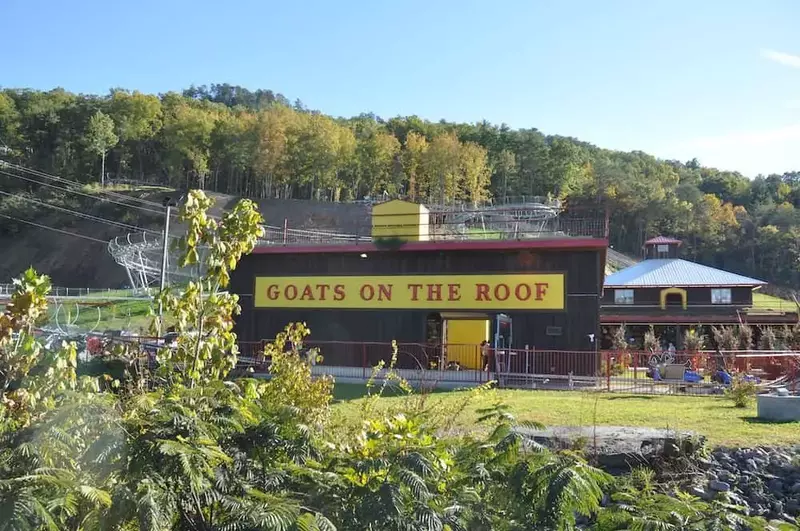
<point>258,144</point>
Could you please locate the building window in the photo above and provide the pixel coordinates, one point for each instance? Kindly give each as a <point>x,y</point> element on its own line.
<point>623,296</point>
<point>721,296</point>
<point>553,331</point>
<point>662,250</point>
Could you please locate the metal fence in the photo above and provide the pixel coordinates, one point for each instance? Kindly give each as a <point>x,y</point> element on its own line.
<point>632,372</point>
<point>504,222</point>
<point>6,290</point>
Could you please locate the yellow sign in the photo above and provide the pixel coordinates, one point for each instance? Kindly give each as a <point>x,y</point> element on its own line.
<point>414,292</point>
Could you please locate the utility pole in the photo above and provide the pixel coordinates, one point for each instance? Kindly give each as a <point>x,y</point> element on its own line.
<point>168,203</point>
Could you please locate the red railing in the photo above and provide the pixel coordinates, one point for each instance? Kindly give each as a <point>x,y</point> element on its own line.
<point>631,371</point>
<point>698,372</point>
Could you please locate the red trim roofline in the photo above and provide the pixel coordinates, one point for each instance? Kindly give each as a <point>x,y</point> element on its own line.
<point>468,245</point>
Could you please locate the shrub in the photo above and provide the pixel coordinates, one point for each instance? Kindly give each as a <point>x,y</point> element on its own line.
<point>742,391</point>
<point>768,339</point>
<point>745,333</point>
<point>619,341</point>
<point>785,337</point>
<point>693,341</point>
<point>651,340</point>
<point>725,337</point>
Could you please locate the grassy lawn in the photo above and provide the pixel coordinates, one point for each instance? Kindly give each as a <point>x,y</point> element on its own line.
<point>130,314</point>
<point>477,233</point>
<point>762,301</point>
<point>714,417</point>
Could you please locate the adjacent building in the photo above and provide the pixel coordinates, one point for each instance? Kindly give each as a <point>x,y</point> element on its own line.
<point>672,294</point>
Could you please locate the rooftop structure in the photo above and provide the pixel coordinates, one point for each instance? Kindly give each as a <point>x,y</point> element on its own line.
<point>392,222</point>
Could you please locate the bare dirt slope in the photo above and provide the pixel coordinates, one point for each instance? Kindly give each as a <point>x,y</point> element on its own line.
<point>76,262</point>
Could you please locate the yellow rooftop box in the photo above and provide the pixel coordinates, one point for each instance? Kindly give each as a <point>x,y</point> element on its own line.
<point>400,220</point>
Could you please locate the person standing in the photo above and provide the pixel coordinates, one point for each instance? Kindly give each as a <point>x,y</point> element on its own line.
<point>486,356</point>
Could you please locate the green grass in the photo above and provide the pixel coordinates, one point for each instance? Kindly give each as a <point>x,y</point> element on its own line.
<point>130,315</point>
<point>714,417</point>
<point>477,233</point>
<point>762,301</point>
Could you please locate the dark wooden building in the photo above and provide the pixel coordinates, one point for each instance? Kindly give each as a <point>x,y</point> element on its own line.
<point>672,295</point>
<point>532,293</point>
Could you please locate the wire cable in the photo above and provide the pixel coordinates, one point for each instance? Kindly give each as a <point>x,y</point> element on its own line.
<point>145,209</point>
<point>108,193</point>
<point>80,214</point>
<point>56,178</point>
<point>55,229</point>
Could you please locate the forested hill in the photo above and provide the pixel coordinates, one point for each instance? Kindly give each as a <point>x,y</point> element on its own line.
<point>228,139</point>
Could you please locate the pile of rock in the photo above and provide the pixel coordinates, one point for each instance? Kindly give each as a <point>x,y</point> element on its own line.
<point>765,480</point>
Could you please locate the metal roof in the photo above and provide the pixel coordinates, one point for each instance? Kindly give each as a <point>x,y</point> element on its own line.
<point>675,272</point>
<point>661,239</point>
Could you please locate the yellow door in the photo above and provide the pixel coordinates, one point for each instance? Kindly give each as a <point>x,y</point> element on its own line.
<point>464,337</point>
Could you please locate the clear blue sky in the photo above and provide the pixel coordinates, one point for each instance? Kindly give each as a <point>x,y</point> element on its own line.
<point>715,79</point>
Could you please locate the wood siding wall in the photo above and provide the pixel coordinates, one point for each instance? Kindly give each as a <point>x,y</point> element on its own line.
<point>740,296</point>
<point>583,282</point>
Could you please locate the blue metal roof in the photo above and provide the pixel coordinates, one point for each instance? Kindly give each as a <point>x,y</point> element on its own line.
<point>675,272</point>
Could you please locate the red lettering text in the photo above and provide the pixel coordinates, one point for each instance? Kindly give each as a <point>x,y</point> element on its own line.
<point>522,292</point>
<point>454,292</point>
<point>367,292</point>
<point>482,292</point>
<point>385,292</point>
<point>273,292</point>
<point>434,292</point>
<point>290,292</point>
<point>501,292</point>
<point>541,290</point>
<point>308,293</point>
<point>338,292</point>
<point>322,289</point>
<point>415,291</point>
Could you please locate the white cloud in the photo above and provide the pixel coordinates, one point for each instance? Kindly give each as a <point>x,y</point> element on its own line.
<point>750,152</point>
<point>782,58</point>
<point>748,138</point>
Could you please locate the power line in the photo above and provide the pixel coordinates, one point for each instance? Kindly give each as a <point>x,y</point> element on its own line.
<point>74,183</point>
<point>79,214</point>
<point>46,227</point>
<point>108,193</point>
<point>80,193</point>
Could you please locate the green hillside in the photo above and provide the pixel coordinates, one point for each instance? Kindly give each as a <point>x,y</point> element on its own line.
<point>243,143</point>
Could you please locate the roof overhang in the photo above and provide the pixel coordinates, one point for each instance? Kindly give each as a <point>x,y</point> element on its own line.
<point>683,286</point>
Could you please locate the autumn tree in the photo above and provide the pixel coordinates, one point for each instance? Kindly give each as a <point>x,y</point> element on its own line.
<point>475,172</point>
<point>443,167</point>
<point>187,134</point>
<point>100,137</point>
<point>139,118</point>
<point>504,173</point>
<point>413,158</point>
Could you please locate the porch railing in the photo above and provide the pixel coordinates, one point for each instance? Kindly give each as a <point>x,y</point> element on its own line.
<point>633,371</point>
